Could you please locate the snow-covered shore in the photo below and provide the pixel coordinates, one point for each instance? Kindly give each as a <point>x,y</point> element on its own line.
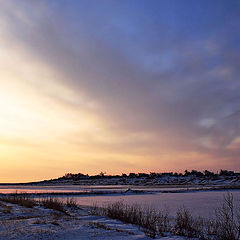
<point>21,223</point>
<point>23,217</point>
<point>158,181</point>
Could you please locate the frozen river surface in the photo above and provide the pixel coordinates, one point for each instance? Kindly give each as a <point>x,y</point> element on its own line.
<point>201,203</point>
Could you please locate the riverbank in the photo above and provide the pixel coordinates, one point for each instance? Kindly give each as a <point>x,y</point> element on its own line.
<point>22,217</point>
<point>74,223</point>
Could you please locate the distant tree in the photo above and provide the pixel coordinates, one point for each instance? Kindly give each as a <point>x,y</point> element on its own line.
<point>226,173</point>
<point>152,175</point>
<point>208,173</point>
<point>196,173</point>
<point>132,175</point>
<point>102,174</point>
<point>167,174</point>
<point>68,175</point>
<point>143,175</point>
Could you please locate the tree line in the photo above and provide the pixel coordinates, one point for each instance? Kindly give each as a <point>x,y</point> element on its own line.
<point>193,173</point>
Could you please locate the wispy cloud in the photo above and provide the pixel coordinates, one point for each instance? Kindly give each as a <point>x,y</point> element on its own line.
<point>139,80</point>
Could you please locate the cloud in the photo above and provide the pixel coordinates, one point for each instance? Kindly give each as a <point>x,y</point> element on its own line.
<point>160,78</point>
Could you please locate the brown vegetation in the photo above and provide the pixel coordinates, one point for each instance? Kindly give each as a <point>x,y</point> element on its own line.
<point>22,200</point>
<point>224,226</point>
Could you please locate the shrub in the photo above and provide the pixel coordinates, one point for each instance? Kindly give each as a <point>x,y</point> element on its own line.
<point>163,224</point>
<point>185,224</point>
<point>226,220</point>
<point>20,199</point>
<point>71,203</point>
<point>211,227</point>
<point>153,222</point>
<point>54,204</point>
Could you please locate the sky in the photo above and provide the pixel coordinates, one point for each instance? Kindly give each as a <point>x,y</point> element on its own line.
<point>118,86</point>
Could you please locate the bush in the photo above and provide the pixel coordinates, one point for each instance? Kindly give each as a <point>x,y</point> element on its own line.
<point>211,227</point>
<point>227,220</point>
<point>71,203</point>
<point>54,204</point>
<point>20,199</point>
<point>163,224</point>
<point>153,222</point>
<point>185,224</point>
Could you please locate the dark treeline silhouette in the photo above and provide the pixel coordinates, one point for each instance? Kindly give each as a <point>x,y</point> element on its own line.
<point>151,175</point>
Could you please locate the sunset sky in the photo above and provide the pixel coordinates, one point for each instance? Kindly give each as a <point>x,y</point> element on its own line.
<point>118,86</point>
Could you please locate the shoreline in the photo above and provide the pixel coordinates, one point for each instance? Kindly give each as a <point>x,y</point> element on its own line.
<point>129,191</point>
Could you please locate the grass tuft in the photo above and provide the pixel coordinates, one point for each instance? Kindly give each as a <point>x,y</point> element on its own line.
<point>152,222</point>
<point>224,226</point>
<point>53,203</point>
<point>22,200</point>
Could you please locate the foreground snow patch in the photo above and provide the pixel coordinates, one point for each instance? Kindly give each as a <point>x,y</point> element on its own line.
<point>22,223</point>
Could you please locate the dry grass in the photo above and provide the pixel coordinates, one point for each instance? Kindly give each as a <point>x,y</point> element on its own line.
<point>22,200</point>
<point>224,226</point>
<point>53,203</point>
<point>40,221</point>
<point>5,208</point>
<point>186,225</point>
<point>71,203</point>
<point>55,223</point>
<point>227,220</point>
<point>26,201</point>
<point>152,222</point>
<point>103,226</point>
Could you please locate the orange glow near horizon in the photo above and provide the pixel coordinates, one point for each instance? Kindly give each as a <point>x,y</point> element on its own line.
<point>42,137</point>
